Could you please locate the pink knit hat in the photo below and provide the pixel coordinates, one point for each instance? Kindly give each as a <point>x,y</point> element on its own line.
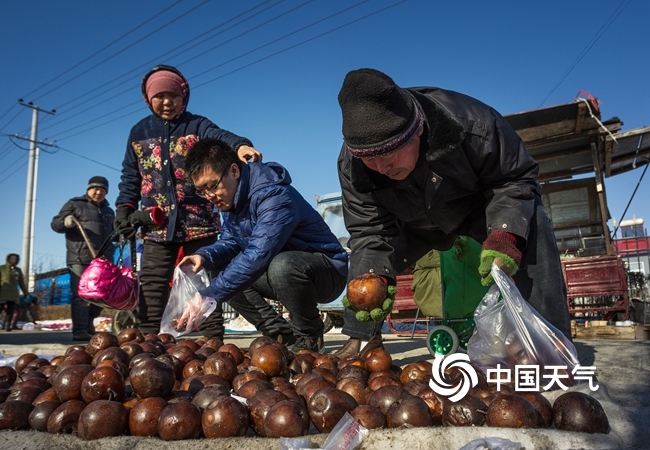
<point>165,81</point>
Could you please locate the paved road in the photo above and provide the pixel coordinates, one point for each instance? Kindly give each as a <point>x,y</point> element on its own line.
<point>622,369</point>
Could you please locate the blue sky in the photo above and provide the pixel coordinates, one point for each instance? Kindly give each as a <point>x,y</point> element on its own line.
<point>271,71</point>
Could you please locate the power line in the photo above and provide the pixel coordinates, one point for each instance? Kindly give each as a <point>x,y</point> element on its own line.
<point>7,111</point>
<point>96,53</point>
<point>584,52</point>
<point>5,148</point>
<point>279,39</point>
<point>138,102</point>
<point>13,118</point>
<point>191,41</point>
<point>105,122</point>
<point>166,54</point>
<point>7,177</point>
<point>116,111</point>
<point>87,158</point>
<point>169,53</point>
<point>11,138</point>
<point>160,29</point>
<point>244,33</point>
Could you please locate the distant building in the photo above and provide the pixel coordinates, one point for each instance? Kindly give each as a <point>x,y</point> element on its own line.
<point>634,246</point>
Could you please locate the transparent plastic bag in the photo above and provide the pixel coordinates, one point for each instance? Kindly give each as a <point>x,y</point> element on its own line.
<point>492,443</point>
<point>348,434</point>
<point>187,308</point>
<point>510,332</point>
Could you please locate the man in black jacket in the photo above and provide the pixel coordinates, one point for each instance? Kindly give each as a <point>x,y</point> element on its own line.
<point>93,213</point>
<point>422,166</point>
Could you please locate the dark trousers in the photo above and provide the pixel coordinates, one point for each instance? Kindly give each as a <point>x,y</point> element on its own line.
<point>539,279</point>
<point>8,309</point>
<point>83,313</point>
<point>156,274</point>
<point>298,280</point>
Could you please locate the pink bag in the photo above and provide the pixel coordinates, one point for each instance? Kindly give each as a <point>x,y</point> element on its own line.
<point>109,286</point>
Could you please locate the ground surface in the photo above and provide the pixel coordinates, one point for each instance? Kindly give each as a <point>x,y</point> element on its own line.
<point>622,369</point>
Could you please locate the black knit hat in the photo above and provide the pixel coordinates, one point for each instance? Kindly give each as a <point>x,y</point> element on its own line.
<point>379,117</point>
<point>98,182</point>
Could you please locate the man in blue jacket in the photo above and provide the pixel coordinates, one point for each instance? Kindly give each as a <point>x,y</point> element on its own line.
<point>274,245</point>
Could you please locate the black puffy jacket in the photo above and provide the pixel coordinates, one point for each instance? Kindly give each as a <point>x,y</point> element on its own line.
<point>97,221</point>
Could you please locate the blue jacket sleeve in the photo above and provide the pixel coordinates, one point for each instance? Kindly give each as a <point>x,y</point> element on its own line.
<point>275,221</point>
<point>218,255</point>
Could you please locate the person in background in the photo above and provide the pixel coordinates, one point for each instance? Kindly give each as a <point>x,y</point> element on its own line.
<point>11,278</point>
<point>274,245</point>
<point>420,167</point>
<point>153,179</point>
<point>27,304</point>
<point>92,213</point>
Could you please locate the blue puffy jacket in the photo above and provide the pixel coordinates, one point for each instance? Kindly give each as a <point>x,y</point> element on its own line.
<point>269,216</point>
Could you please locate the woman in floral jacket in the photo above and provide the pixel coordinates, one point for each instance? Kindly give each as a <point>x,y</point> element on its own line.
<point>153,176</point>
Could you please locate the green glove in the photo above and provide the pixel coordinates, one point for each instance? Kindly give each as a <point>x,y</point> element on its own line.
<point>503,262</point>
<point>500,248</point>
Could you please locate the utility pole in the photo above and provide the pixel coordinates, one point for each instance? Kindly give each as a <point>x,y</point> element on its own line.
<point>30,201</point>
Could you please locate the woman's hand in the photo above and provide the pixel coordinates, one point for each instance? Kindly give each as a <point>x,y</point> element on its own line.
<point>245,152</point>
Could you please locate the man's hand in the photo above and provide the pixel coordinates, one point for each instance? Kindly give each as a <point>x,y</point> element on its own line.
<point>501,249</point>
<point>195,260</point>
<point>246,152</point>
<point>68,222</point>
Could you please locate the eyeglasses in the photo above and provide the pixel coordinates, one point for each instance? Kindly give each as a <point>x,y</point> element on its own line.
<point>210,190</point>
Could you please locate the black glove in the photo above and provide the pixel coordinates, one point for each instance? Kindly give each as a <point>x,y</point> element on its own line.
<point>152,217</point>
<point>122,224</point>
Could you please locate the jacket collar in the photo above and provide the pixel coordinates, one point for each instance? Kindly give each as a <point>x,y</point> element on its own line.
<point>442,135</point>
<point>243,187</point>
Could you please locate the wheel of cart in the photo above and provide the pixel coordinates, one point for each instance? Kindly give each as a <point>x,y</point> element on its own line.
<point>450,337</point>
<point>442,340</point>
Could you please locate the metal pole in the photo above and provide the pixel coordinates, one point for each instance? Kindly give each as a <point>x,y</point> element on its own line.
<point>28,224</point>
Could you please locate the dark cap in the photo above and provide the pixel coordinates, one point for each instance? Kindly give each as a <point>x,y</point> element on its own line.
<point>379,117</point>
<point>98,182</point>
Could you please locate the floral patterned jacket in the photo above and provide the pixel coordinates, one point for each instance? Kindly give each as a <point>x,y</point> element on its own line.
<point>153,174</point>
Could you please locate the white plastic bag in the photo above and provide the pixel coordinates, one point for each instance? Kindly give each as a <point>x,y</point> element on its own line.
<point>510,332</point>
<point>187,308</point>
